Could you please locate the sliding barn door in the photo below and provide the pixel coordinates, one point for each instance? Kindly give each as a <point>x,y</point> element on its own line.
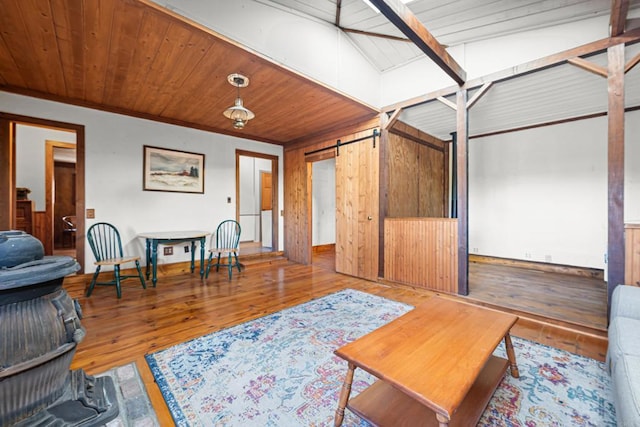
<point>357,205</point>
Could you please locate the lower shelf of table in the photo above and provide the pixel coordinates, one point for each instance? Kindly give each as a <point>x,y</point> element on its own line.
<point>383,405</point>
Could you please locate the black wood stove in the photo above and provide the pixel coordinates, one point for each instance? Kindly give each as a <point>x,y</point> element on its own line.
<point>39,331</point>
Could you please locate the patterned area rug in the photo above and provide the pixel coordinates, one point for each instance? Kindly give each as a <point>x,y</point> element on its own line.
<point>280,370</point>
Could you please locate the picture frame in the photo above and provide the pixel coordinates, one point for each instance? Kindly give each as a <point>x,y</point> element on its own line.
<point>170,170</point>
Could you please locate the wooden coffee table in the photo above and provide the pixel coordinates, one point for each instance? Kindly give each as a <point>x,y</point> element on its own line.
<point>435,366</point>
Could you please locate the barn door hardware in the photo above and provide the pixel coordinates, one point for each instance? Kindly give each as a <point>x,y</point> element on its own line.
<point>339,144</point>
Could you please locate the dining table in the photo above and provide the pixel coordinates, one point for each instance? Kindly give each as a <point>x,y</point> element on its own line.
<point>155,238</point>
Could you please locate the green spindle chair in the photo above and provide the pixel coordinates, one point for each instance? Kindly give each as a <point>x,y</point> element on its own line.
<point>227,242</point>
<point>106,246</point>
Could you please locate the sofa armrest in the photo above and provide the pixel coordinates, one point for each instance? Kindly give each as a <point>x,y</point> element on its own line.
<point>625,302</point>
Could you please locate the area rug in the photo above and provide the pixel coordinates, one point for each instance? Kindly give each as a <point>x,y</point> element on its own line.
<point>280,370</point>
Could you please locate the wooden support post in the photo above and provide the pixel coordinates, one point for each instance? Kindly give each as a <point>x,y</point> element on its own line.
<point>384,184</point>
<point>462,163</point>
<point>7,177</point>
<point>615,239</point>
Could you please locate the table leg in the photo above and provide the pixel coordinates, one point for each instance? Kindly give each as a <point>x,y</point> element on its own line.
<point>154,261</point>
<point>148,253</point>
<point>344,396</point>
<point>203,241</point>
<point>193,255</point>
<point>511,355</point>
<point>442,420</point>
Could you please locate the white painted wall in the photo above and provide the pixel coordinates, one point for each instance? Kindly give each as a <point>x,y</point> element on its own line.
<point>113,177</point>
<point>323,204</point>
<point>30,159</point>
<point>541,194</point>
<point>307,45</point>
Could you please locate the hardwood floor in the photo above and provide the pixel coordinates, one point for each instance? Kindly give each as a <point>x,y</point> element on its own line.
<point>247,248</point>
<point>183,307</point>
<point>561,298</point>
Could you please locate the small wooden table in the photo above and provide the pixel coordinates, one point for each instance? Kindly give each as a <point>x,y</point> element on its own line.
<point>172,237</point>
<point>435,366</point>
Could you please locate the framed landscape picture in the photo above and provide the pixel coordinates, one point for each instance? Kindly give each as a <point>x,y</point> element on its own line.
<point>173,170</point>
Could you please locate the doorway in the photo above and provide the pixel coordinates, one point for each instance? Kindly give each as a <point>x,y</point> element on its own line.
<point>27,146</point>
<point>60,175</point>
<point>323,212</point>
<point>257,201</point>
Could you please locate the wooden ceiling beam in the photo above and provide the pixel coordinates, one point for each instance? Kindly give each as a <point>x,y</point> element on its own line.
<point>338,12</point>
<point>619,11</point>
<point>408,23</point>
<point>629,37</point>
<point>379,35</point>
<point>448,103</point>
<point>589,66</point>
<point>632,63</point>
<point>393,119</point>
<point>557,58</point>
<point>479,94</point>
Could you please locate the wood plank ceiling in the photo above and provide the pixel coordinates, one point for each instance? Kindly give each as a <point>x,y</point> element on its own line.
<point>135,58</point>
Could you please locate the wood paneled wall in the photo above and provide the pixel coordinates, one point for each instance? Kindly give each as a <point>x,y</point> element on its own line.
<point>40,225</point>
<point>297,223</point>
<point>418,172</point>
<point>632,254</point>
<point>297,195</point>
<point>422,252</point>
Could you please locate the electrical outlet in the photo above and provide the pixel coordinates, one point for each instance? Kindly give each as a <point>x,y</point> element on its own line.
<point>91,213</point>
<point>186,249</point>
<point>168,250</point>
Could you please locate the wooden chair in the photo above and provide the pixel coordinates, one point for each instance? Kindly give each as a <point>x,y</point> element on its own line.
<point>106,246</point>
<point>227,242</point>
<point>69,230</point>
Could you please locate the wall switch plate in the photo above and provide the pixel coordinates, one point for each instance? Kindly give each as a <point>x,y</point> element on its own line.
<point>91,213</point>
<point>168,250</point>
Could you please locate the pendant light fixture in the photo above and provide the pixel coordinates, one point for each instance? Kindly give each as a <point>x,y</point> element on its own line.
<point>238,113</point>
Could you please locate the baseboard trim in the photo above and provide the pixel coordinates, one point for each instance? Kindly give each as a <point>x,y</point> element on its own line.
<point>324,248</point>
<point>539,266</point>
<point>180,267</point>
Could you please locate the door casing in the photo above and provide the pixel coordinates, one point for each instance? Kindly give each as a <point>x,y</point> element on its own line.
<point>8,124</point>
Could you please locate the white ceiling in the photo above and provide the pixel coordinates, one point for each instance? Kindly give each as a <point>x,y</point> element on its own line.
<point>450,22</point>
<point>557,93</point>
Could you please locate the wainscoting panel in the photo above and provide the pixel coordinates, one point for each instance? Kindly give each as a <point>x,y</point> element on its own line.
<point>632,254</point>
<point>422,252</point>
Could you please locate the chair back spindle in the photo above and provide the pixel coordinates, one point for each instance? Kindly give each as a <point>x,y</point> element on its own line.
<point>227,242</point>
<point>105,243</point>
<point>228,235</point>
